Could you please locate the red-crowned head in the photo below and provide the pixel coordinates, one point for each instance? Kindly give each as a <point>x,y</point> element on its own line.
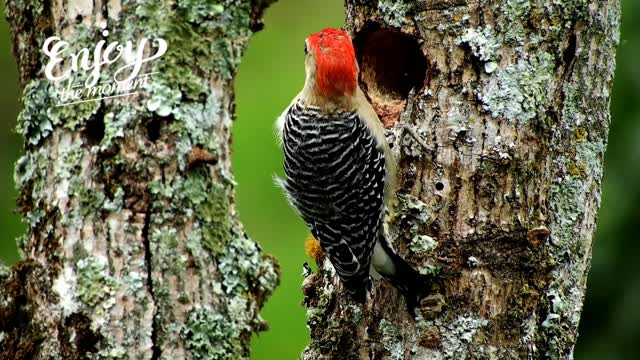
<point>336,71</point>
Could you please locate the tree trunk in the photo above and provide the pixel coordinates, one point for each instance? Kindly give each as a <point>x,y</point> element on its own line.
<point>498,114</point>
<point>133,248</point>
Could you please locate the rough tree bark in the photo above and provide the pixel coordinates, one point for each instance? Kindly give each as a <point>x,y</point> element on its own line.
<point>133,248</point>
<point>498,113</point>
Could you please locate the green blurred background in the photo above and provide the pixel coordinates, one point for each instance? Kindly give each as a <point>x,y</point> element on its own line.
<point>272,73</point>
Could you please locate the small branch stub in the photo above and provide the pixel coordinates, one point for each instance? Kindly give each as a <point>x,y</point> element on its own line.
<point>199,156</point>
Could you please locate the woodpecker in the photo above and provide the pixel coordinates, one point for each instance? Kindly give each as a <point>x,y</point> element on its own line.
<point>339,172</point>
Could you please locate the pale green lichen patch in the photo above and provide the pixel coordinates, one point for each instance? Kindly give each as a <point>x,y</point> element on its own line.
<point>457,121</point>
<point>566,10</point>
<point>483,43</point>
<point>397,13</point>
<point>427,269</point>
<point>195,247</point>
<point>210,35</point>
<point>208,334</point>
<point>557,307</point>
<point>516,8</point>
<point>324,297</point>
<point>41,112</point>
<point>195,122</point>
<point>519,92</point>
<point>67,168</point>
<point>458,336</point>
<point>113,352</point>
<point>572,190</point>
<point>570,193</point>
<point>134,282</point>
<point>199,120</point>
<point>65,287</point>
<point>24,170</point>
<point>514,29</point>
<point>217,229</point>
<point>114,127</point>
<point>73,116</point>
<point>245,313</point>
<point>30,174</point>
<point>391,339</point>
<point>356,313</point>
<point>591,154</point>
<point>116,202</point>
<point>91,200</point>
<point>208,201</point>
<point>201,13</point>
<point>33,122</point>
<point>164,98</point>
<point>196,194</point>
<point>267,276</point>
<point>33,169</point>
<point>68,161</point>
<point>579,141</point>
<point>164,240</point>
<point>95,283</point>
<point>239,263</point>
<point>414,209</point>
<point>423,244</point>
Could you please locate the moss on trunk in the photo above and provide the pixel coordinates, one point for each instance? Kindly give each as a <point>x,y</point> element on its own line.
<point>500,141</point>
<point>129,201</point>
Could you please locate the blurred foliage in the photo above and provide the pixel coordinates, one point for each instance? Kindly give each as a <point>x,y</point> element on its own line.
<point>269,77</point>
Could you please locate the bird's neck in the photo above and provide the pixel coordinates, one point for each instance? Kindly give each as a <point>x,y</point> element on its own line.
<point>327,101</point>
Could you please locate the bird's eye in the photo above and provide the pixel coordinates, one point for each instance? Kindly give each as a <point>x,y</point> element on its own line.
<point>306,51</point>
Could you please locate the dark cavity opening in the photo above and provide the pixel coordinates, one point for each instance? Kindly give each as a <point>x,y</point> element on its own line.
<point>153,130</point>
<point>94,130</point>
<point>570,52</point>
<point>391,63</point>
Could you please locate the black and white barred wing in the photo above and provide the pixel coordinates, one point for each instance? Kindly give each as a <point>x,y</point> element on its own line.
<point>335,175</point>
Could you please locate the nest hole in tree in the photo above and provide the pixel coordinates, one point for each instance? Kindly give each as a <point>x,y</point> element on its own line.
<point>94,129</point>
<point>391,64</point>
<point>153,130</point>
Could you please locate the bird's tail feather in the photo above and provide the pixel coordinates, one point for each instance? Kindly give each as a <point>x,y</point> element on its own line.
<point>358,289</point>
<point>412,284</point>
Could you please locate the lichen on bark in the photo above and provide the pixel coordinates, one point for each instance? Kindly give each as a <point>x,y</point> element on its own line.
<point>500,144</point>
<point>134,243</point>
